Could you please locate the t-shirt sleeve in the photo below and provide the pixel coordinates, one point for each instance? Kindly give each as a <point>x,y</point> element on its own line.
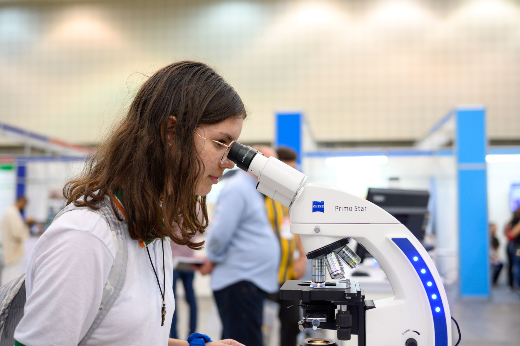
<point>66,275</point>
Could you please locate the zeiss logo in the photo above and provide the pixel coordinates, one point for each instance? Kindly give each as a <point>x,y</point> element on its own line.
<point>318,206</point>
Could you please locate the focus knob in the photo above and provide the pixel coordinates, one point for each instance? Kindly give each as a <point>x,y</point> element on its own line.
<point>410,342</point>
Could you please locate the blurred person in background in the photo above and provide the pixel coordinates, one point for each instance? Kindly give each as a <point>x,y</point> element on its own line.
<point>509,256</point>
<point>512,232</point>
<point>186,276</point>
<point>15,230</point>
<point>243,256</point>
<point>293,260</point>
<point>496,263</point>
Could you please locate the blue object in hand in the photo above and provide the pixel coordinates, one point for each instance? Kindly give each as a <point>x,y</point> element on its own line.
<point>197,339</point>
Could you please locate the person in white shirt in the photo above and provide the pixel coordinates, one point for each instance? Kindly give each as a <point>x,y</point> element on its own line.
<point>15,230</point>
<point>158,164</point>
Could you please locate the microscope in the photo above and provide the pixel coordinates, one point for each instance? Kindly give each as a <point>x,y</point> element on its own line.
<point>326,218</point>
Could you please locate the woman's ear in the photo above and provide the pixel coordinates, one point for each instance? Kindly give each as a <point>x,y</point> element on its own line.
<point>170,128</point>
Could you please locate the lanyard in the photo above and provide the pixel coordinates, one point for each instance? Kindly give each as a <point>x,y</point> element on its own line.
<point>163,292</point>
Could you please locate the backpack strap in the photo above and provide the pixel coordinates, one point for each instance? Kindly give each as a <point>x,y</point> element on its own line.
<point>12,298</point>
<point>117,274</point>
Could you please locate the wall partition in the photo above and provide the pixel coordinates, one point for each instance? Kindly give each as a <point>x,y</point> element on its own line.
<point>360,70</point>
<point>457,180</point>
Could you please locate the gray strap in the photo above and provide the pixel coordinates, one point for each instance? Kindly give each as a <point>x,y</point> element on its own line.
<point>8,296</point>
<point>116,277</point>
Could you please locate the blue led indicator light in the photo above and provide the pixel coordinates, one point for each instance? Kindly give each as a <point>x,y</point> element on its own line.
<point>431,290</point>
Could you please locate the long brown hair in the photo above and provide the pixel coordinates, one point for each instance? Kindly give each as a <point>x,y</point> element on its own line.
<point>159,178</point>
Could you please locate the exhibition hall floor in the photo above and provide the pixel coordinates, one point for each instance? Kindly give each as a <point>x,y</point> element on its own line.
<point>493,322</point>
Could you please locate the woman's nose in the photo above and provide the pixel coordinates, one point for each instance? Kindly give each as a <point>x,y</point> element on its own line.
<point>227,164</point>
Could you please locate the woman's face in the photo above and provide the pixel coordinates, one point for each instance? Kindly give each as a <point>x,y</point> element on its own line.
<point>210,152</point>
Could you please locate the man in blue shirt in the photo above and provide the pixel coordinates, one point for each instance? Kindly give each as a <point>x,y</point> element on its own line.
<point>243,256</point>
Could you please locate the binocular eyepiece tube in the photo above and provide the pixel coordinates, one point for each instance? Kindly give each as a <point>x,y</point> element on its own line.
<point>242,155</point>
<point>276,179</point>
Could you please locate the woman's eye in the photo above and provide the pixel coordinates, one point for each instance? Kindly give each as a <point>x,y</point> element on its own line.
<point>219,144</point>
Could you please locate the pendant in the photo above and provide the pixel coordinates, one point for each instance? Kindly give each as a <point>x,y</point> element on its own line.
<point>163,313</point>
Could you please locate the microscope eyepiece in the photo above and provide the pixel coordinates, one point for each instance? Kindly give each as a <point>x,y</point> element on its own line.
<point>241,155</point>
<point>276,179</point>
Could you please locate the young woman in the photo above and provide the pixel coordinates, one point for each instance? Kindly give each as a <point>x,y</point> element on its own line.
<point>150,174</point>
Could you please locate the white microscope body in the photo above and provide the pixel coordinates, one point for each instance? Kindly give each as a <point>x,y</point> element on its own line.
<point>418,313</point>
<point>419,309</point>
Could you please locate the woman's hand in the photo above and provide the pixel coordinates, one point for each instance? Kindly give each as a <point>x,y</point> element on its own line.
<point>226,342</point>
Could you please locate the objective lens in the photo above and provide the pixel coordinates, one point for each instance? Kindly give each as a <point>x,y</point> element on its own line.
<point>318,270</point>
<point>334,267</point>
<point>349,257</point>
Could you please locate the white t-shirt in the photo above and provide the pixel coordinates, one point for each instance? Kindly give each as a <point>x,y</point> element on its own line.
<point>66,272</point>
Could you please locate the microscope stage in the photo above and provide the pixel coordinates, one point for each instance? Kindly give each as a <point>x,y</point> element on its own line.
<point>341,290</point>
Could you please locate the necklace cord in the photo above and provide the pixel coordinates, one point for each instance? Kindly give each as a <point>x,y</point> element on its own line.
<point>158,284</point>
<point>164,278</point>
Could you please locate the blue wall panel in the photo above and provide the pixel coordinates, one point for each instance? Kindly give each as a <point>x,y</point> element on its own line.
<point>471,136</point>
<point>20,180</point>
<point>471,147</point>
<point>289,132</point>
<point>473,246</point>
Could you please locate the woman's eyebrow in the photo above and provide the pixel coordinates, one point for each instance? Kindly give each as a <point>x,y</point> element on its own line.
<point>227,135</point>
